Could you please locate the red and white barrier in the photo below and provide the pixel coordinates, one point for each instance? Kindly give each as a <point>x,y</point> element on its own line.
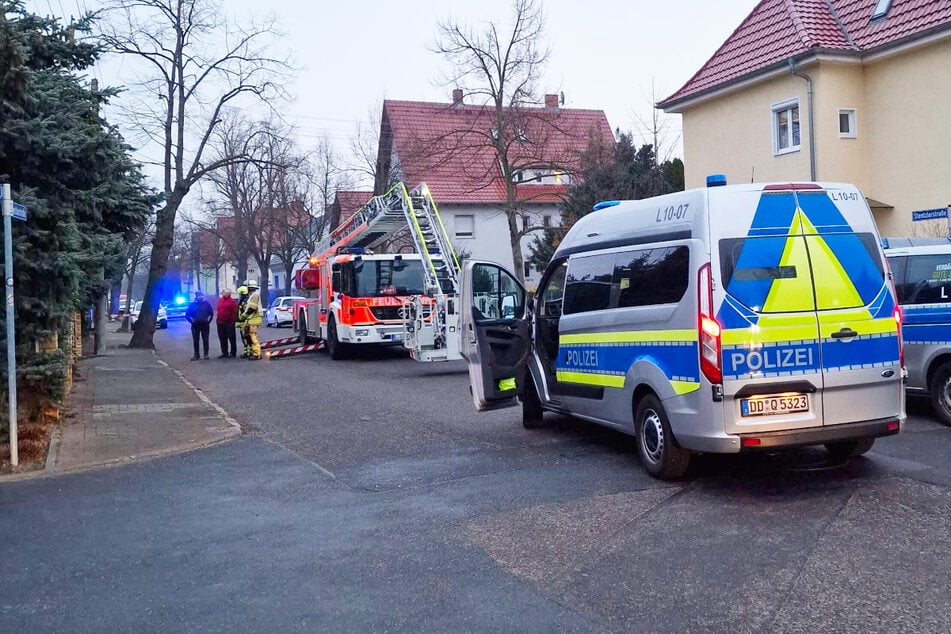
<point>275,343</point>
<point>287,352</point>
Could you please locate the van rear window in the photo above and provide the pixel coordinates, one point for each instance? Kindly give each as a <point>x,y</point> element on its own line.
<point>775,274</point>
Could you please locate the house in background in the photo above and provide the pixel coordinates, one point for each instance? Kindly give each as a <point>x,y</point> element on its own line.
<point>831,90</point>
<point>345,204</point>
<point>449,146</point>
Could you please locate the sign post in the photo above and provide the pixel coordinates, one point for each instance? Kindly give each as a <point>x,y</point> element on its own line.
<point>11,210</point>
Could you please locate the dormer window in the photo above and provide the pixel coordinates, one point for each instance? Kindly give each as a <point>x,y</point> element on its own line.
<point>881,9</point>
<point>520,135</point>
<point>495,134</point>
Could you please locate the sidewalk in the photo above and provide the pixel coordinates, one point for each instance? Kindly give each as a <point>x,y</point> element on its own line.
<point>128,405</point>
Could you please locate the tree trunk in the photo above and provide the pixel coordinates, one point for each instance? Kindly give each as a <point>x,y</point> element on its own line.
<point>144,327</point>
<point>516,242</point>
<point>288,272</point>
<point>128,300</point>
<point>218,281</point>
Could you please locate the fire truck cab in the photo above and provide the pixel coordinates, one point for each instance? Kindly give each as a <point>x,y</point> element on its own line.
<point>355,297</point>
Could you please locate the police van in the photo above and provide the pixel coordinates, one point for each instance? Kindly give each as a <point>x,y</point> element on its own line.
<point>720,319</point>
<point>922,275</point>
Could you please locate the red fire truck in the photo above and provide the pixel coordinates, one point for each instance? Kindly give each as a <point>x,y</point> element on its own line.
<point>358,296</point>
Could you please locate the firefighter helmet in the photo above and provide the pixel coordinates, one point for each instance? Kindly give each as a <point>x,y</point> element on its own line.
<point>251,284</point>
<point>242,290</point>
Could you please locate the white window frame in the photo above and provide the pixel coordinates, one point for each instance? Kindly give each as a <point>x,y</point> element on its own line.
<point>775,110</point>
<point>455,225</point>
<point>852,133</point>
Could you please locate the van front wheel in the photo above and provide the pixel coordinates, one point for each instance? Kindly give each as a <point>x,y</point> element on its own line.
<point>941,393</point>
<point>660,454</point>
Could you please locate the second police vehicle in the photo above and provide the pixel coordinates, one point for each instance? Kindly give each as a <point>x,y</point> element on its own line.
<point>719,319</point>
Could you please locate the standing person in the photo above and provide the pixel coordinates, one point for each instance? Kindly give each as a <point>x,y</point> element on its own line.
<point>226,319</point>
<point>199,315</point>
<point>252,313</point>
<point>240,323</point>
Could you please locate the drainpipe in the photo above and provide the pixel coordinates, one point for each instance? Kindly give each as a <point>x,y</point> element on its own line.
<point>812,127</point>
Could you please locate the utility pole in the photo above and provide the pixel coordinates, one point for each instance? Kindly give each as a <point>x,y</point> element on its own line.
<point>11,337</point>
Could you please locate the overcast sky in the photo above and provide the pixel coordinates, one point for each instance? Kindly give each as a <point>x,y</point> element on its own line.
<point>605,54</point>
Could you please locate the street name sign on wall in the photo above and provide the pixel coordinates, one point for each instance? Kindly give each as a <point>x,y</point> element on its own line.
<point>929,214</point>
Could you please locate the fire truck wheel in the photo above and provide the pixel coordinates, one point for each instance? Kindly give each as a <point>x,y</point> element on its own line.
<point>335,347</point>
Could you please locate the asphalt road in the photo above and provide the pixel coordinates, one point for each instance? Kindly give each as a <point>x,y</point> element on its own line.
<point>369,495</point>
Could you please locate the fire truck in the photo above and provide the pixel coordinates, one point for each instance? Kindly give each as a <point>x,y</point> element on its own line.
<point>356,295</point>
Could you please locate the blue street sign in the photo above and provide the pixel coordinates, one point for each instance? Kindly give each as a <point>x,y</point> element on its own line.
<point>929,214</point>
<point>19,211</point>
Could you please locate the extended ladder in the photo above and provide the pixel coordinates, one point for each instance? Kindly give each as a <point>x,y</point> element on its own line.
<point>430,329</point>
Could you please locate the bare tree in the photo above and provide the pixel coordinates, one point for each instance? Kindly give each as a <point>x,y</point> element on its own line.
<point>198,64</point>
<point>137,254</point>
<point>501,69</point>
<point>658,129</point>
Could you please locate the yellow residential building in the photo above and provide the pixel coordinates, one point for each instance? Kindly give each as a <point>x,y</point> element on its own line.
<point>831,90</point>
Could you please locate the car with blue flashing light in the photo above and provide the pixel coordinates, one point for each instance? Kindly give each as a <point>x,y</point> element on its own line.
<point>922,272</point>
<point>722,319</point>
<point>176,308</point>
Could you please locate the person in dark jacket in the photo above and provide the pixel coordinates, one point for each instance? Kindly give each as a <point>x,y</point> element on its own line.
<point>227,316</point>
<point>199,315</point>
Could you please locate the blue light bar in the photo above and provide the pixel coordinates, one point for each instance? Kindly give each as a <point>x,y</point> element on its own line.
<point>606,203</point>
<point>716,180</point>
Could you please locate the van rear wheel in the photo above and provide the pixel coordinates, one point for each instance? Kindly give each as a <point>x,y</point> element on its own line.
<point>660,454</point>
<point>941,393</point>
<point>848,448</point>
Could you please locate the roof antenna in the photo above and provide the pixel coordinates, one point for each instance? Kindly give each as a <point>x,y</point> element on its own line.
<point>753,174</point>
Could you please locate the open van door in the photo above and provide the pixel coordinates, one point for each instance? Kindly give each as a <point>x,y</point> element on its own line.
<point>495,334</point>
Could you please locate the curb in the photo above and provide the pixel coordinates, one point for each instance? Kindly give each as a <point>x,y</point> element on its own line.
<point>37,474</point>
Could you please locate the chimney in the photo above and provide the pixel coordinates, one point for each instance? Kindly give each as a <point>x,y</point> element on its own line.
<point>551,102</point>
<point>457,97</point>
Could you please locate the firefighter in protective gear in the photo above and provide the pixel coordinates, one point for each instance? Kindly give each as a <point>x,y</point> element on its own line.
<point>241,323</point>
<point>253,318</point>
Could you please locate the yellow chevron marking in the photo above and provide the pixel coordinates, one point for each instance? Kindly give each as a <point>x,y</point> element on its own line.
<point>833,286</point>
<point>792,294</point>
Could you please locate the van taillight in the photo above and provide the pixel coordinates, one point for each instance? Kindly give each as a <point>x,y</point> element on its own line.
<point>708,328</point>
<point>901,343</point>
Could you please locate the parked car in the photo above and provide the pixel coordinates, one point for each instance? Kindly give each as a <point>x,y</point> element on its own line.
<point>176,309</point>
<point>281,312</point>
<point>161,319</point>
<point>922,274</point>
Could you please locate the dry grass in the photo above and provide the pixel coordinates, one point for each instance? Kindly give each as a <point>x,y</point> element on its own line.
<point>33,441</point>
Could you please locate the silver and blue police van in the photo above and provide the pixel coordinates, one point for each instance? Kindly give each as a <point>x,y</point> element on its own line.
<point>721,319</point>
<point>922,272</point>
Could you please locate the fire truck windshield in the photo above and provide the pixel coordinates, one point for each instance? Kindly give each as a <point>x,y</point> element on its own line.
<point>378,278</point>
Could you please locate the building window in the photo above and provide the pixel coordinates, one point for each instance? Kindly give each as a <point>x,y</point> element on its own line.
<point>546,221</point>
<point>465,226</point>
<point>528,269</point>
<point>786,137</point>
<point>847,123</point>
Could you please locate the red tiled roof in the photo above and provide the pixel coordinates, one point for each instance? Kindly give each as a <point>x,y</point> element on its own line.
<point>449,147</point>
<point>350,202</point>
<point>777,30</point>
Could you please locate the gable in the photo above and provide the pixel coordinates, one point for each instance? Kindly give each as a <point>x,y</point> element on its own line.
<point>777,31</point>
<point>450,147</point>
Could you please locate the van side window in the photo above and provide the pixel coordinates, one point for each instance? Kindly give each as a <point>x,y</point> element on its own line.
<point>553,293</point>
<point>927,280</point>
<point>589,283</point>
<point>652,276</point>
